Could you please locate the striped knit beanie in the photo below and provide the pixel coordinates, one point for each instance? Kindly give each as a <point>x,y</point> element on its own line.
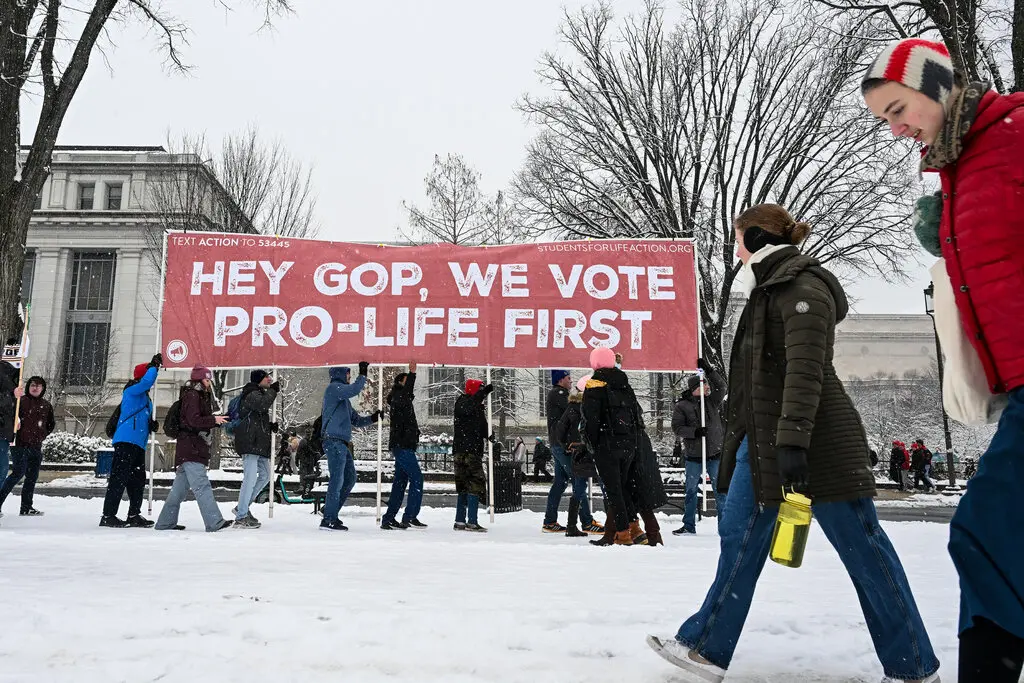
<point>921,65</point>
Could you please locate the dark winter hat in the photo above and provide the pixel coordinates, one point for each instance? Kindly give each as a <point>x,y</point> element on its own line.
<point>756,238</point>
<point>140,370</point>
<point>921,65</point>
<point>257,376</point>
<point>199,373</point>
<point>558,375</point>
<point>400,377</point>
<point>692,384</point>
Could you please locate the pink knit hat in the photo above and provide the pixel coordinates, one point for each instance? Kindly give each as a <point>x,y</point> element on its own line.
<point>582,384</point>
<point>601,358</point>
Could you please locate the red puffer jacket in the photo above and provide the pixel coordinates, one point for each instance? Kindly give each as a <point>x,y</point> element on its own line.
<point>982,235</point>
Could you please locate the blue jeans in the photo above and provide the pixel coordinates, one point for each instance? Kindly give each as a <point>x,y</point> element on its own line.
<point>5,458</point>
<point>986,536</point>
<point>343,477</point>
<point>191,475</point>
<point>255,475</point>
<point>407,473</point>
<point>467,501</point>
<point>852,528</point>
<point>693,476</point>
<point>563,475</point>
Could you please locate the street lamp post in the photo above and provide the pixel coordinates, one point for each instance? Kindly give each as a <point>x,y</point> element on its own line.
<point>929,308</point>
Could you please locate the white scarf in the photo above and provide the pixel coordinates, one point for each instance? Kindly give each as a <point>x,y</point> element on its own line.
<point>747,272</point>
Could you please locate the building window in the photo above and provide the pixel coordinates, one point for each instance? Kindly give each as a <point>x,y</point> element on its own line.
<point>114,197</point>
<point>443,387</point>
<point>87,333</point>
<point>86,193</point>
<point>28,276</point>
<point>543,386</point>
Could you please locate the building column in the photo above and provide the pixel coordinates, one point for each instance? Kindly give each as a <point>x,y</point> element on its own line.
<point>49,303</point>
<point>126,316</point>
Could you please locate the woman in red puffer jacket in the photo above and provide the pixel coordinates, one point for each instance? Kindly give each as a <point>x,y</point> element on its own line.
<point>975,142</point>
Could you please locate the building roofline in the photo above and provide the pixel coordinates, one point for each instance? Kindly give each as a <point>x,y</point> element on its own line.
<point>103,148</point>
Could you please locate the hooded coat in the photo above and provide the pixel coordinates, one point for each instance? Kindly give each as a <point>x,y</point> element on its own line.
<point>197,425</point>
<point>405,430</point>
<point>136,410</point>
<point>252,436</point>
<point>8,382</point>
<point>686,420</point>
<point>470,428</point>
<point>783,388</point>
<point>36,416</point>
<point>982,222</point>
<point>611,416</point>
<point>556,403</point>
<point>339,417</point>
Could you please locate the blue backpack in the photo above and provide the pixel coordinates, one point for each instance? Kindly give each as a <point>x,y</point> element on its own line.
<point>234,416</point>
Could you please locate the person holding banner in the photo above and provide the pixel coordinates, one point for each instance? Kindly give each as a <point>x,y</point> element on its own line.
<point>252,442</point>
<point>9,393</point>
<point>339,417</point>
<point>36,422</point>
<point>690,430</point>
<point>470,435</point>
<point>131,434</point>
<point>403,439</point>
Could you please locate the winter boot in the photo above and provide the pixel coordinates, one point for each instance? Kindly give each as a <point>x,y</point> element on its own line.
<point>608,538</point>
<point>571,530</point>
<point>652,527</point>
<point>637,534</point>
<point>624,537</point>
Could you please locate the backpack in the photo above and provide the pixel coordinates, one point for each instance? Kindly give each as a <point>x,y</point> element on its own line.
<point>622,415</point>
<point>112,422</point>
<point>172,421</point>
<point>234,415</point>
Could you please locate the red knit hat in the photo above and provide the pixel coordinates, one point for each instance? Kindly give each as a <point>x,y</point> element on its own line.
<point>473,386</point>
<point>140,370</point>
<point>921,65</point>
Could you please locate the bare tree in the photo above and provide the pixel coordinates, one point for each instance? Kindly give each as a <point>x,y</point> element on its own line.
<point>457,212</point>
<point>92,398</point>
<point>670,133</point>
<point>45,49</point>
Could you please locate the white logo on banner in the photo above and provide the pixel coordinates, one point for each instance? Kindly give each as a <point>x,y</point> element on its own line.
<point>177,351</point>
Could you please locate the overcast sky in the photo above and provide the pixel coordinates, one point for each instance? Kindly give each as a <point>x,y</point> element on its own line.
<point>367,92</point>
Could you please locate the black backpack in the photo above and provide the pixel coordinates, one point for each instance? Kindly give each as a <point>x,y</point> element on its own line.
<point>623,422</point>
<point>112,422</point>
<point>172,421</point>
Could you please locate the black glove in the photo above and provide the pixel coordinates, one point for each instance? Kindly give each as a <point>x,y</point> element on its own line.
<point>491,438</point>
<point>703,365</point>
<point>154,426</point>
<point>274,426</point>
<point>700,432</point>
<point>793,468</point>
<point>157,360</point>
<point>487,388</point>
<point>276,386</point>
<point>364,367</point>
<point>376,415</point>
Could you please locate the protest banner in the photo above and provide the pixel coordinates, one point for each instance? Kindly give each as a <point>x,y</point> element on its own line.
<point>251,301</point>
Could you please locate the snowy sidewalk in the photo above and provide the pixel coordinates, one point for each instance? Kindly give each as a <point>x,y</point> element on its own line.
<point>290,603</point>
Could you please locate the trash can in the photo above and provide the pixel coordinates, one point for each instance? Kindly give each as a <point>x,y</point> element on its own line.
<point>104,461</point>
<point>508,487</point>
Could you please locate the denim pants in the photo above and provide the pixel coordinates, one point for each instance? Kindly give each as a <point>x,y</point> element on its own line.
<point>343,477</point>
<point>5,458</point>
<point>924,474</point>
<point>191,475</point>
<point>852,528</point>
<point>407,473</point>
<point>128,471</point>
<point>693,477</point>
<point>986,535</point>
<point>563,475</point>
<point>467,502</point>
<point>27,460</point>
<point>255,475</point>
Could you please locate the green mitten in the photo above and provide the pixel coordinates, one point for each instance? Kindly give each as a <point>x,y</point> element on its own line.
<point>927,216</point>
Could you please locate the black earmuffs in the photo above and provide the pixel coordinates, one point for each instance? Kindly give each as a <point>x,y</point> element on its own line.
<point>755,237</point>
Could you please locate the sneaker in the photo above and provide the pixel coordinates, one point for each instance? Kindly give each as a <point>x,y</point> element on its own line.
<point>476,527</point>
<point>395,524</point>
<point>31,512</point>
<point>138,522</point>
<point>234,512</point>
<point>113,522</point>
<point>224,524</point>
<point>683,531</point>
<point>247,523</point>
<point>332,525</point>
<point>553,528</point>
<point>696,668</point>
<point>934,678</point>
<point>416,524</point>
<point>176,527</point>
<point>594,528</point>
<point>459,526</point>
<point>574,532</point>
<point>389,525</point>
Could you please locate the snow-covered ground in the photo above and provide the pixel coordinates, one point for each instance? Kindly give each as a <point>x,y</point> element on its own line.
<point>291,603</point>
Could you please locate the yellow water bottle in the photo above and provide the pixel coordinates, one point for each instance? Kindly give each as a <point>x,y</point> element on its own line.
<point>791,529</point>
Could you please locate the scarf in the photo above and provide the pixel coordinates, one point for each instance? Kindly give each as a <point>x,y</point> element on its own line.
<point>960,114</point>
<point>749,279</point>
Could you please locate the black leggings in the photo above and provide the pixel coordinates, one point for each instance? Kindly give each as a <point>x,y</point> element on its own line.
<point>988,654</point>
<point>615,467</point>
<point>127,472</point>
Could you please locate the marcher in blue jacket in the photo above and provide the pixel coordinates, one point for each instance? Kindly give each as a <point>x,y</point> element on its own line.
<point>133,428</point>
<point>339,417</point>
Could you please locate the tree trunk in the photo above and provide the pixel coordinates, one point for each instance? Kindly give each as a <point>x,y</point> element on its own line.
<point>13,229</point>
<point>959,33</point>
<point>1017,46</point>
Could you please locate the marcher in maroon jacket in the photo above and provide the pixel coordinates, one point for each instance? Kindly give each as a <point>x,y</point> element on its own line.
<point>36,422</point>
<point>975,142</point>
<point>192,455</point>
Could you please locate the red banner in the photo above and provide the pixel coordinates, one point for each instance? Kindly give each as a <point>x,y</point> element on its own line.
<point>251,301</point>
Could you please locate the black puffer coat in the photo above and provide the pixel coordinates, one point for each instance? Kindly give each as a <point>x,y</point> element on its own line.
<point>470,429</point>
<point>783,388</point>
<point>252,436</point>
<point>405,430</point>
<point>8,382</point>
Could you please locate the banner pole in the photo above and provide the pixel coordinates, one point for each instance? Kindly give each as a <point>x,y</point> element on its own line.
<point>380,434</point>
<point>156,384</point>
<point>273,451</point>
<point>21,373</point>
<point>490,449</point>
<point>700,375</point>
